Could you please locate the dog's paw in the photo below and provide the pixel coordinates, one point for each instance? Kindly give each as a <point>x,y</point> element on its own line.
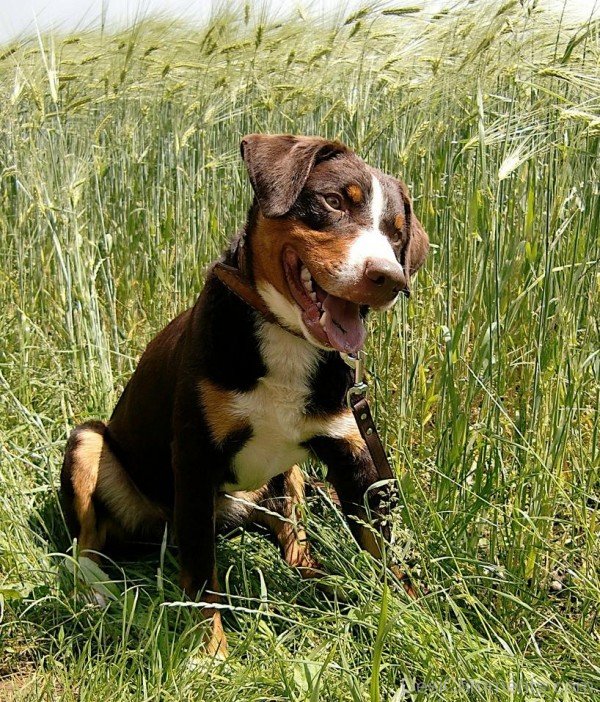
<point>215,642</point>
<point>309,568</point>
<point>213,650</point>
<point>90,584</point>
<point>217,648</point>
<point>98,598</point>
<point>312,570</point>
<point>406,582</point>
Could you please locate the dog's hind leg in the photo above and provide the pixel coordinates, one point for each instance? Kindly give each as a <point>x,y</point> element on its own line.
<point>284,497</point>
<point>79,480</point>
<point>99,499</point>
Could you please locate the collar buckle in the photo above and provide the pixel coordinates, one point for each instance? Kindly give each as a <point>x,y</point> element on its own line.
<point>359,390</point>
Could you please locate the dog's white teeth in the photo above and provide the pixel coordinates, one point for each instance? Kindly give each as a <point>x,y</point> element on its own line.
<point>306,279</point>
<point>323,320</point>
<point>313,296</point>
<point>319,305</point>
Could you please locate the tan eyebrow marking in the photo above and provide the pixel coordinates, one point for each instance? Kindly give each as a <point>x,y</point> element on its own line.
<point>355,194</point>
<point>399,221</point>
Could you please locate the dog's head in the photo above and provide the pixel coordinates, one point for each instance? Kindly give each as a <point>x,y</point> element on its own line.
<point>332,237</point>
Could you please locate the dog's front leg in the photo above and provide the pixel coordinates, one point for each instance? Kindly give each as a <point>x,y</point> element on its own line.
<point>194,521</point>
<point>352,473</point>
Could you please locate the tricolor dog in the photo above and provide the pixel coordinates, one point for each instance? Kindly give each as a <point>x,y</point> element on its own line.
<point>226,401</point>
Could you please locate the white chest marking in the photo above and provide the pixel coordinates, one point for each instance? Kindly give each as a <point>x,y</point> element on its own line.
<point>275,411</point>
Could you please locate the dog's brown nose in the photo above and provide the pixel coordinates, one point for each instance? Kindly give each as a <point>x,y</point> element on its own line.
<point>386,280</point>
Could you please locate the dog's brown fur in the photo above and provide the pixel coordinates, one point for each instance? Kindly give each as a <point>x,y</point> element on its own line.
<point>195,418</point>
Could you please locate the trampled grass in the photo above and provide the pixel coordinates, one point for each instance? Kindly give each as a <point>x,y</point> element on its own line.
<point>120,180</point>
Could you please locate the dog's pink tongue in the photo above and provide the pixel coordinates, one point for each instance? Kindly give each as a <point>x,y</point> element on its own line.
<point>343,325</point>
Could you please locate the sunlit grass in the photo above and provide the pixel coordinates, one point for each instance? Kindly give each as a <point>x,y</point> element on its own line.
<point>120,180</point>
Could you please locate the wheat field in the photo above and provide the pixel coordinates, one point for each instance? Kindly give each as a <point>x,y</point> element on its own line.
<point>120,180</point>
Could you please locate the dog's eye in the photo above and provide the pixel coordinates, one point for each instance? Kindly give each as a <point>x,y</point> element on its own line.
<point>334,201</point>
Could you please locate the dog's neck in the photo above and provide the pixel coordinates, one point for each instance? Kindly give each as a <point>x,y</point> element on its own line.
<point>239,254</point>
<point>235,272</point>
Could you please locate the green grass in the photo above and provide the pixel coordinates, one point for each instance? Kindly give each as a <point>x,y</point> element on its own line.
<point>120,180</point>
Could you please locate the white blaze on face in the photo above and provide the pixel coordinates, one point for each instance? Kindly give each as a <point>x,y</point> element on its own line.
<point>372,242</point>
<point>376,202</point>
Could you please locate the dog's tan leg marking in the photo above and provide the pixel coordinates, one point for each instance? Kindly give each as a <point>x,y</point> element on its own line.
<point>369,540</point>
<point>95,473</point>
<point>291,537</point>
<point>215,641</point>
<point>351,434</point>
<point>216,644</point>
<point>85,459</point>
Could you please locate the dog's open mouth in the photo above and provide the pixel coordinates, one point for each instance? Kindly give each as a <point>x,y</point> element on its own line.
<point>332,321</point>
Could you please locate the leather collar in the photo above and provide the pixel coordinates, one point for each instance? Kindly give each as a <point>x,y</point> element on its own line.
<point>234,281</point>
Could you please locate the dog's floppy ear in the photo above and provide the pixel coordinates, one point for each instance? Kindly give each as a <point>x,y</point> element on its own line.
<point>279,165</point>
<point>417,245</point>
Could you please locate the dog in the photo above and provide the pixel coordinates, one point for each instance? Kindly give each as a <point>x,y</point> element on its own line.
<point>231,396</point>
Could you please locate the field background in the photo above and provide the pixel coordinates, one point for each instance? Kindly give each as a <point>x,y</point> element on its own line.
<point>120,179</point>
